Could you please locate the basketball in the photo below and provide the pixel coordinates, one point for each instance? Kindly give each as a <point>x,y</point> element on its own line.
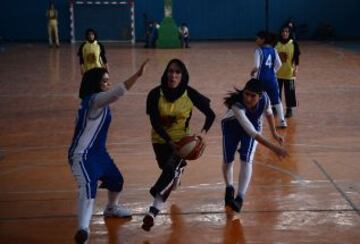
<point>191,147</point>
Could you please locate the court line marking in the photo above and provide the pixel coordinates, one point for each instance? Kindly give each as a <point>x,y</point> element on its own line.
<point>141,187</point>
<point>187,213</point>
<point>298,178</point>
<point>142,142</point>
<point>342,193</point>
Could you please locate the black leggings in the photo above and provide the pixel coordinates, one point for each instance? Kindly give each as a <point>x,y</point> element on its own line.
<point>289,90</point>
<point>169,163</point>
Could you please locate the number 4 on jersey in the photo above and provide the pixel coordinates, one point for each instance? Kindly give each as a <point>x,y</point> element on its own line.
<point>268,62</point>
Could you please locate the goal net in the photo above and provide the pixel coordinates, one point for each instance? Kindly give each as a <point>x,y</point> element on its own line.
<point>112,20</point>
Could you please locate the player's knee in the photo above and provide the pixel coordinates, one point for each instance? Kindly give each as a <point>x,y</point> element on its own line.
<point>228,159</point>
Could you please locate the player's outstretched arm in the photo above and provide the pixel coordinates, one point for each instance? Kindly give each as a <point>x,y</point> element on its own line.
<point>278,150</point>
<point>131,81</point>
<point>271,122</point>
<point>104,98</point>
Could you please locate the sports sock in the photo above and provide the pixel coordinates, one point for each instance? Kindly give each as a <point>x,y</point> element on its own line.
<point>228,173</point>
<point>280,110</point>
<point>113,199</point>
<point>158,203</point>
<point>244,177</point>
<point>85,209</point>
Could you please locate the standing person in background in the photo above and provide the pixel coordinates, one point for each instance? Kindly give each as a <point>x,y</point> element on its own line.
<point>184,35</point>
<point>51,14</point>
<point>241,129</point>
<point>170,107</point>
<point>154,34</point>
<point>267,62</point>
<point>88,157</point>
<point>92,53</point>
<point>290,23</point>
<point>146,30</point>
<point>289,53</point>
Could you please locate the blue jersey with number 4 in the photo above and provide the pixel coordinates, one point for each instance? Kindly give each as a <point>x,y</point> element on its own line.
<point>266,71</point>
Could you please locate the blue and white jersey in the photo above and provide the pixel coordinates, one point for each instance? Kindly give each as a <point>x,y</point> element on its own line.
<point>267,56</point>
<point>267,62</point>
<point>90,133</point>
<point>240,128</point>
<point>253,116</point>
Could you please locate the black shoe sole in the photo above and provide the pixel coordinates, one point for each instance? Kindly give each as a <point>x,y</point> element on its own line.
<point>234,204</point>
<point>81,236</point>
<point>148,222</point>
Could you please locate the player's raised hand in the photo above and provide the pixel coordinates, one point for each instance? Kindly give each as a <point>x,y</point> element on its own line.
<point>142,67</point>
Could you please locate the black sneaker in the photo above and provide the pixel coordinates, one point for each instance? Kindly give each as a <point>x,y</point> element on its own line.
<point>229,195</point>
<point>237,204</point>
<point>239,201</point>
<point>81,236</point>
<point>148,222</point>
<point>234,206</point>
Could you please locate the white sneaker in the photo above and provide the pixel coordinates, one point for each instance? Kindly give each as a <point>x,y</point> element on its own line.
<point>282,124</point>
<point>117,211</point>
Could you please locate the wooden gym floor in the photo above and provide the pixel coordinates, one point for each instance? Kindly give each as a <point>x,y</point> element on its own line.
<point>313,196</point>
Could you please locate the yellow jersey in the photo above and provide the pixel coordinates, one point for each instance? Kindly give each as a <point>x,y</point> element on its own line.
<point>286,54</point>
<point>90,53</point>
<point>175,117</point>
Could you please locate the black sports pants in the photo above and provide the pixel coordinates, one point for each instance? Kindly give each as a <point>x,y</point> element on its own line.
<point>289,90</point>
<point>169,163</point>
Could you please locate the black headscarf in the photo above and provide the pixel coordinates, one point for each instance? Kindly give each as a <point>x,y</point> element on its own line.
<point>90,30</point>
<point>282,40</point>
<point>171,94</point>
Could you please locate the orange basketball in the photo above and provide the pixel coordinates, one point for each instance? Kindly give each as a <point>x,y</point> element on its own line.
<point>190,147</point>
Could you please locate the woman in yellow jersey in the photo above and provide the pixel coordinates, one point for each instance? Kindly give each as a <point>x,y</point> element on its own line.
<point>92,53</point>
<point>169,107</point>
<point>51,13</point>
<point>289,53</point>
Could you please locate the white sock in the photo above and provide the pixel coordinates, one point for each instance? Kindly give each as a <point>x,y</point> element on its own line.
<point>244,177</point>
<point>228,173</point>
<point>113,199</point>
<point>158,202</point>
<point>85,210</point>
<point>280,111</point>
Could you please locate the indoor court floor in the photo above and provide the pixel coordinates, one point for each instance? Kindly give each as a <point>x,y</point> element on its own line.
<point>313,196</point>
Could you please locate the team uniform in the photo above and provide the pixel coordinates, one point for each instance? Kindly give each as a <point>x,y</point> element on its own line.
<point>170,122</point>
<point>240,126</point>
<point>88,156</point>
<point>89,160</point>
<point>92,55</point>
<point>289,53</point>
<point>53,27</point>
<point>267,61</point>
